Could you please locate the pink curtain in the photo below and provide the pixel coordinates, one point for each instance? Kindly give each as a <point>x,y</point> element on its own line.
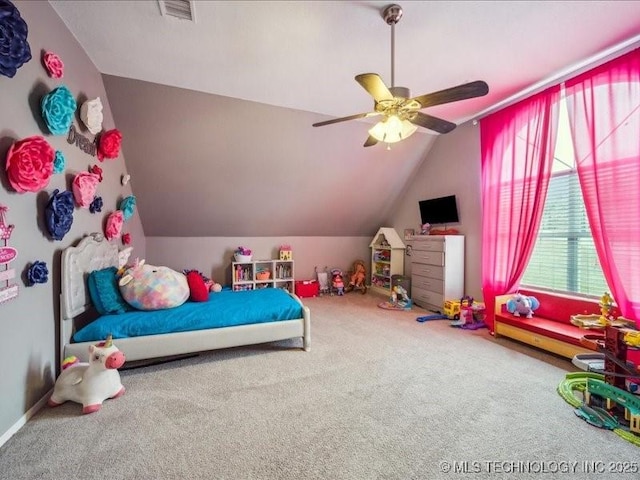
<point>604,114</point>
<point>517,145</point>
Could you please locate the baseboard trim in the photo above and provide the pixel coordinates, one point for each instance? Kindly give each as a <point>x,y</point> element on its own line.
<point>25,418</point>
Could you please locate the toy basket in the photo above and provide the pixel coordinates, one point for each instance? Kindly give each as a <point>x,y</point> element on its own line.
<point>306,288</point>
<point>264,275</point>
<point>242,258</point>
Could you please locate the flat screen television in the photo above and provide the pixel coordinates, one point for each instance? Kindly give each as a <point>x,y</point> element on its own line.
<point>440,210</point>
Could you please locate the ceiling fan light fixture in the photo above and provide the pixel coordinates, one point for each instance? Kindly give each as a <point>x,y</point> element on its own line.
<point>392,129</point>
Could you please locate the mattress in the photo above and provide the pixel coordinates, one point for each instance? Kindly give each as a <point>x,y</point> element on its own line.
<point>223,309</point>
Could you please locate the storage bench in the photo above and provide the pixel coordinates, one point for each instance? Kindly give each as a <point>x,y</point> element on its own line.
<point>550,328</point>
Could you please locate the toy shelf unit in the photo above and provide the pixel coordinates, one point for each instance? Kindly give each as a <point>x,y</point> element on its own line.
<point>262,274</point>
<point>437,270</point>
<point>387,259</point>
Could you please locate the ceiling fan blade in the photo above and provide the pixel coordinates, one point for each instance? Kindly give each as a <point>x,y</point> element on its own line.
<point>344,119</point>
<point>432,123</point>
<point>453,94</point>
<point>341,119</point>
<point>370,141</point>
<point>373,84</point>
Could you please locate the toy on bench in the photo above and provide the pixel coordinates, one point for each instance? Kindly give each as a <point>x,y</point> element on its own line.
<point>522,305</point>
<point>91,383</point>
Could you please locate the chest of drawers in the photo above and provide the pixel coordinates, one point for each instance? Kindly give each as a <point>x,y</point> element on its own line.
<point>437,270</point>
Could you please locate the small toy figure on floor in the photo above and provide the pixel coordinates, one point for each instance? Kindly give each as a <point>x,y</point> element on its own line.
<point>358,277</point>
<point>337,282</point>
<point>399,300</point>
<point>471,315</point>
<point>90,383</point>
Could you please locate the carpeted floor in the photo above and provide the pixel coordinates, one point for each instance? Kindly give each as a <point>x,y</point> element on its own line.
<point>379,396</point>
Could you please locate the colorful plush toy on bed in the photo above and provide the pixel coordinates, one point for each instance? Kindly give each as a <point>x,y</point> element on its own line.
<point>522,305</point>
<point>90,383</point>
<point>148,287</point>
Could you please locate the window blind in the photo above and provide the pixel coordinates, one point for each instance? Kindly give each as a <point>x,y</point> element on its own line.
<point>564,258</point>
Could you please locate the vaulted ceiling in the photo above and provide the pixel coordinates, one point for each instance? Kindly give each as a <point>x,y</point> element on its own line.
<point>216,114</point>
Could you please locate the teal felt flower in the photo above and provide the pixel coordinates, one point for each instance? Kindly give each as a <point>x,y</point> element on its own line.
<point>59,162</point>
<point>128,206</point>
<point>58,108</point>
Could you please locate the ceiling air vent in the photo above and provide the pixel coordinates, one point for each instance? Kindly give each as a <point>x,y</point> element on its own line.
<point>183,9</point>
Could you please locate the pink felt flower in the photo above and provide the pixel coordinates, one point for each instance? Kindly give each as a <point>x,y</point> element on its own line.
<point>84,188</point>
<point>53,64</point>
<point>114,225</point>
<point>29,164</point>
<point>109,146</point>
<point>126,239</point>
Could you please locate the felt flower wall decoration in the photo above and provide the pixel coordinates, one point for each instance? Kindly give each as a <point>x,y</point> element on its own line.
<point>59,213</point>
<point>14,48</point>
<point>109,146</point>
<point>59,162</point>
<point>97,170</point>
<point>84,188</point>
<point>53,64</point>
<point>126,239</point>
<point>29,164</point>
<point>96,205</point>
<point>114,225</point>
<point>58,108</point>
<point>128,206</point>
<point>91,115</point>
<point>37,273</point>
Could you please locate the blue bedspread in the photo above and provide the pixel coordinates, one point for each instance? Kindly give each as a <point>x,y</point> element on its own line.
<point>223,309</point>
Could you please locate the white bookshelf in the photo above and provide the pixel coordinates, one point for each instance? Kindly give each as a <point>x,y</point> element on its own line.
<point>246,275</point>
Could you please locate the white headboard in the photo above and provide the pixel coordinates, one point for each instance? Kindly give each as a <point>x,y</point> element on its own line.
<point>93,252</point>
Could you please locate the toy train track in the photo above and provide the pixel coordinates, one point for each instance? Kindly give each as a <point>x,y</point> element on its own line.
<point>577,381</point>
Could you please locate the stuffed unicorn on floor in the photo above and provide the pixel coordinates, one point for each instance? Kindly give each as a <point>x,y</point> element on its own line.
<point>91,383</point>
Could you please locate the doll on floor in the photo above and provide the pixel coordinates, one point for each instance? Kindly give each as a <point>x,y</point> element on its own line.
<point>358,277</point>
<point>337,282</point>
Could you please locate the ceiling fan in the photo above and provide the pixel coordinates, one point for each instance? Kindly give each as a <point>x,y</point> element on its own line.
<point>401,112</point>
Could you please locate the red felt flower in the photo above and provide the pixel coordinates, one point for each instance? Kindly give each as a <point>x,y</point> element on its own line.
<point>126,239</point>
<point>97,170</point>
<point>109,146</point>
<point>30,164</point>
<point>53,64</point>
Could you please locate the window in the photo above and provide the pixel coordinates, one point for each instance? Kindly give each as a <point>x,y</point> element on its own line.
<point>564,258</point>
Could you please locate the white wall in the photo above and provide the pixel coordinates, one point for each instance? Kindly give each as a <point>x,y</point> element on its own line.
<point>213,255</point>
<point>451,168</point>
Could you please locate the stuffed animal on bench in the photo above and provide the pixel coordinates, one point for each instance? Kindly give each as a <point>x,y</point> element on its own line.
<point>522,305</point>
<point>91,383</point>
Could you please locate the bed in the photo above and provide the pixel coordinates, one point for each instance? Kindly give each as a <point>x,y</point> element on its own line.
<point>94,252</point>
